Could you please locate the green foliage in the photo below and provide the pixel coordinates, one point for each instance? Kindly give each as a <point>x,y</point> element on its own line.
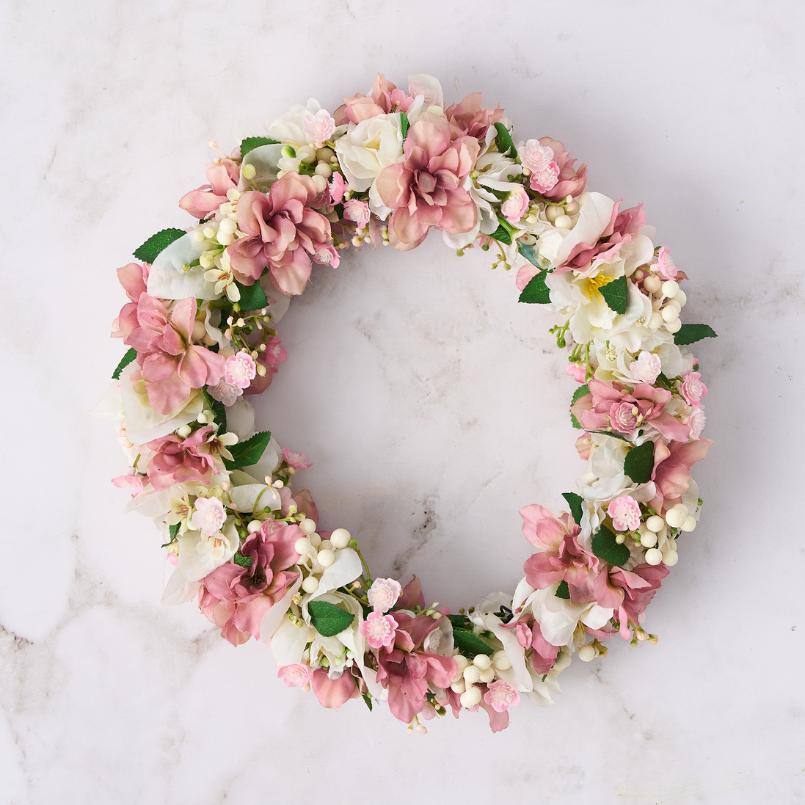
<point>616,294</point>
<point>691,333</point>
<point>130,355</point>
<point>149,250</point>
<point>469,644</point>
<point>250,143</point>
<point>244,454</point>
<point>639,462</point>
<point>605,547</point>
<point>574,502</point>
<point>328,619</point>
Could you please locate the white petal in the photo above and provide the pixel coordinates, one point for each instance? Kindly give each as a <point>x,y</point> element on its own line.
<point>265,159</point>
<point>288,642</point>
<point>169,279</point>
<point>346,568</point>
<point>246,497</point>
<point>179,590</point>
<point>428,87</point>
<point>240,419</point>
<point>273,619</point>
<point>596,213</point>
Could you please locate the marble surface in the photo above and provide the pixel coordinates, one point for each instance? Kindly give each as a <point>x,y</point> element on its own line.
<point>431,403</point>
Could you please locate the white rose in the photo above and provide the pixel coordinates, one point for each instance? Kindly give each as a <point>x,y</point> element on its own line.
<point>368,147</point>
<point>200,554</point>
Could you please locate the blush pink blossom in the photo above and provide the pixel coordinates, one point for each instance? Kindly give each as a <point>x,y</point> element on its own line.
<point>357,211</point>
<point>665,265</point>
<point>295,676</point>
<point>333,691</point>
<point>696,421</point>
<point>275,354</point>
<point>427,189</point>
<point>576,371</point>
<point>236,597</point>
<point>240,369</point>
<point>541,654</point>
<point>383,97</point>
<point>284,232</point>
<point>646,368</point>
<point>693,389</point>
<point>500,696</point>
<point>379,629</point>
<point>337,188</point>
<point>383,594</point>
<point>584,446</point>
<point>614,406</point>
<point>625,513</point>
<point>209,516</point>
<point>172,365</point>
<point>672,470</point>
<point>134,482</point>
<point>318,127</point>
<point>225,393</point>
<point>178,460</point>
<point>468,116</point>
<point>515,205</point>
<point>222,176</point>
<point>296,460</point>
<point>571,180</point>
<point>639,586</point>
<point>134,279</point>
<point>539,161</point>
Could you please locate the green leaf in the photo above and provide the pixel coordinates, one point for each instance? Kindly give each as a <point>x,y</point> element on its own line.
<point>536,292</point>
<point>691,333</point>
<point>459,621</point>
<point>367,700</point>
<point>580,392</point>
<point>328,619</point>
<point>243,561</point>
<point>469,644</point>
<point>252,297</point>
<point>527,250</point>
<point>504,141</point>
<point>244,454</point>
<point>639,462</point>
<point>605,547</point>
<point>218,411</point>
<point>574,501</point>
<point>404,124</point>
<point>156,243</point>
<point>563,591</point>
<point>502,234</point>
<point>616,294</point>
<point>250,143</point>
<point>130,355</point>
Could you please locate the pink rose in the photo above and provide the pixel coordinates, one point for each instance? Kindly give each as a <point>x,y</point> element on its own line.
<point>538,159</point>
<point>500,696</point>
<point>283,232</point>
<point>625,513</point>
<point>426,189</point>
<point>693,389</point>
<point>515,205</point>
<point>383,594</point>
<point>357,211</point>
<point>240,369</point>
<point>379,630</point>
<point>571,180</point>
<point>295,676</point>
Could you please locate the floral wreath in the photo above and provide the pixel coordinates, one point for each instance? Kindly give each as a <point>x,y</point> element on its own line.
<point>386,168</point>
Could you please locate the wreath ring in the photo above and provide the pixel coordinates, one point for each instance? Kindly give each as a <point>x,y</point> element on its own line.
<point>200,326</point>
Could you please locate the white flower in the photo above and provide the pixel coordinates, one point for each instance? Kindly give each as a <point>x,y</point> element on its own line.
<point>200,554</point>
<point>301,125</point>
<point>383,594</point>
<point>368,147</point>
<point>170,276</point>
<point>208,516</point>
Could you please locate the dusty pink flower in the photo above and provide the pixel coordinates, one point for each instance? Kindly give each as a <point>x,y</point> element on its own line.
<point>222,175</point>
<point>357,211</point>
<point>561,558</point>
<point>275,354</point>
<point>541,654</point>
<point>318,127</point>
<point>625,513</point>
<point>178,460</point>
<point>672,465</point>
<point>665,265</point>
<point>283,232</point>
<point>337,188</point>
<point>614,406</point>
<point>236,597</point>
<point>646,368</point>
<point>623,226</point>
<point>469,117</point>
<point>639,586</point>
<point>172,365</point>
<point>426,189</point>
<point>408,672</point>
<point>383,97</point>
<point>295,676</point>
<point>296,460</point>
<point>134,279</point>
<point>225,393</point>
<point>693,389</point>
<point>240,369</point>
<point>571,180</point>
<point>379,629</point>
<point>500,696</point>
<point>333,691</point>
<point>383,594</point>
<point>514,207</point>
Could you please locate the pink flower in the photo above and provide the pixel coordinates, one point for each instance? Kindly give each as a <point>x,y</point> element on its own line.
<point>696,421</point>
<point>646,368</point>
<point>625,513</point>
<point>172,365</point>
<point>296,460</point>
<point>692,388</point>
<point>134,279</point>
<point>333,692</point>
<point>178,460</point>
<point>318,127</point>
<point>584,446</point>
<point>539,161</point>
<point>236,597</point>
<point>357,211</point>
<point>208,516</point>
<point>379,630</point>
<point>283,232</point>
<point>500,696</point>
<point>295,676</point>
<point>639,586</point>
<point>613,406</point>
<point>240,369</point>
<point>222,175</point>
<point>672,465</point>
<point>563,559</point>
<point>275,354</point>
<point>469,117</point>
<point>514,207</point>
<point>337,188</point>
<point>383,594</point>
<point>134,482</point>
<point>665,265</point>
<point>225,393</point>
<point>542,654</point>
<point>623,226</point>
<point>383,97</point>
<point>572,180</point>
<point>408,672</point>
<point>426,189</point>
<point>576,371</point>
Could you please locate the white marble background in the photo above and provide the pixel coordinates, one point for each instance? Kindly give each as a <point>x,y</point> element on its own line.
<point>430,401</point>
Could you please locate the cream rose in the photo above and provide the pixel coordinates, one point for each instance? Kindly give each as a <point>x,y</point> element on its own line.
<point>368,147</point>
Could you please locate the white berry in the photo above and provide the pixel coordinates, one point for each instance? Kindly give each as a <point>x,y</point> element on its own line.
<point>325,558</point>
<point>340,538</point>
<point>587,653</point>
<point>310,584</point>
<point>471,697</point>
<point>653,556</point>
